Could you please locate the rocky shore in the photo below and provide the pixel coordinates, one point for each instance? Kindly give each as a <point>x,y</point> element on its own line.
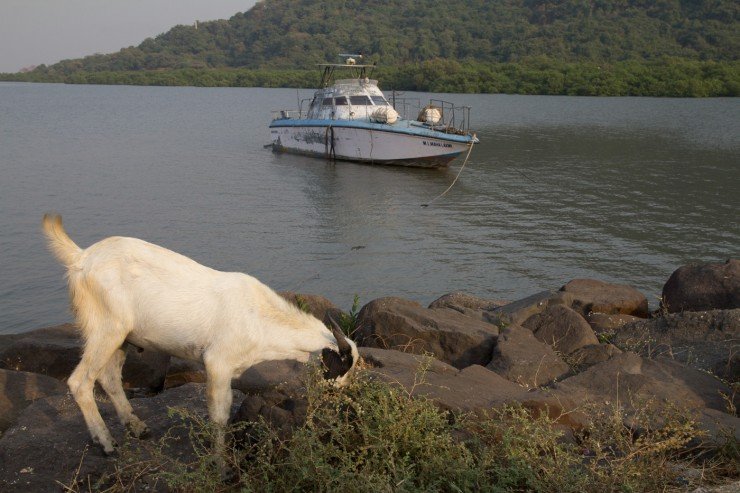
<point>555,351</point>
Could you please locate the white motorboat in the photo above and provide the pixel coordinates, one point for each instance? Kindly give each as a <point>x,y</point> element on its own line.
<point>351,119</point>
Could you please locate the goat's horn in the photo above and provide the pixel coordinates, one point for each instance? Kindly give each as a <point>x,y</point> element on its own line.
<point>342,344</point>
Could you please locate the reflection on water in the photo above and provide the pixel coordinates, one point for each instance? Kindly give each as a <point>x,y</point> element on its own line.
<point>619,189</point>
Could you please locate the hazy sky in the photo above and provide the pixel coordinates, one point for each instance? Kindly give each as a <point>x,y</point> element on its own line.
<point>33,32</point>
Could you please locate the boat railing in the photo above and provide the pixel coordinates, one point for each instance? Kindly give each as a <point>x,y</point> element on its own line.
<point>286,114</point>
<point>294,114</point>
<point>453,118</point>
<point>407,108</point>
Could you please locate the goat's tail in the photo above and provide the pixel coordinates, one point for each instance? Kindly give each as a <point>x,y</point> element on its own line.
<point>60,244</point>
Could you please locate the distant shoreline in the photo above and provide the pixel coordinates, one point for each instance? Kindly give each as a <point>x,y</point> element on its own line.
<point>668,77</point>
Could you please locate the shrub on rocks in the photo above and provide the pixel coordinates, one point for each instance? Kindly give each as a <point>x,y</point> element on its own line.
<point>703,287</point>
<point>387,428</point>
<point>375,436</point>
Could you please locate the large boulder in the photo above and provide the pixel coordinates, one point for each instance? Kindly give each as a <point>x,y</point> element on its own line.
<point>518,311</point>
<point>467,304</point>
<point>562,328</point>
<point>18,389</point>
<point>591,355</point>
<point>8,339</point>
<point>51,351</point>
<point>635,384</point>
<point>585,296</point>
<point>56,351</point>
<point>631,380</point>
<point>606,323</point>
<point>704,340</point>
<point>257,378</point>
<point>395,323</point>
<point>591,295</point>
<point>266,375</point>
<point>520,357</point>
<point>473,389</point>
<point>703,287</point>
<point>50,440</point>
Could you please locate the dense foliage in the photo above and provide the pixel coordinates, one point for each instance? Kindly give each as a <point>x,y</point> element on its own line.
<point>530,46</point>
<point>664,77</point>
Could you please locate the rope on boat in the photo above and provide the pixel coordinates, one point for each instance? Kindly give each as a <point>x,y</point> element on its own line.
<point>456,177</point>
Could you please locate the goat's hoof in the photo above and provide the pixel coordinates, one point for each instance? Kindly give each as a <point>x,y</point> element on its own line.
<point>145,433</point>
<point>111,452</point>
<point>138,430</point>
<point>108,450</point>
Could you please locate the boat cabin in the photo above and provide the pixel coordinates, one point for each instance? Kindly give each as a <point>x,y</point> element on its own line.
<point>347,99</point>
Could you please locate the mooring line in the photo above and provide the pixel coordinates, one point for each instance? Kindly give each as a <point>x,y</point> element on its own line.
<point>456,177</point>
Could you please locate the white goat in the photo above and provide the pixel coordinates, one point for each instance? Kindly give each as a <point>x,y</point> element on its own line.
<point>127,290</point>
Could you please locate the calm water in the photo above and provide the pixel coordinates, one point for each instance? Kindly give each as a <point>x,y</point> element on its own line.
<point>619,189</point>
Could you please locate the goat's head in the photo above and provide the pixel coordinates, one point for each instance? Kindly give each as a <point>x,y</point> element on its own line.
<point>339,364</point>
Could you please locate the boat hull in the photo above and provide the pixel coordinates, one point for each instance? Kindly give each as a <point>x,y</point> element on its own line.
<point>404,143</point>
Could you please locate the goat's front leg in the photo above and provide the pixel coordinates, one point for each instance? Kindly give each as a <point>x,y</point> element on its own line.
<point>219,398</point>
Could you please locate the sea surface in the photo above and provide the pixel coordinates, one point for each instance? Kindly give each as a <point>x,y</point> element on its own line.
<point>624,190</point>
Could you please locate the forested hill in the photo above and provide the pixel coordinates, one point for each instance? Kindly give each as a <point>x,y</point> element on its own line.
<point>295,34</point>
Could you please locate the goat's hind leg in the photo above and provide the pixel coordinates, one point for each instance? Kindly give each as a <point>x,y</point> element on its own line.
<point>110,380</point>
<point>100,347</point>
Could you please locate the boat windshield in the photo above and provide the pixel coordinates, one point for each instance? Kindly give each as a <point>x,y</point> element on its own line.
<point>340,101</point>
<point>379,100</point>
<point>360,100</point>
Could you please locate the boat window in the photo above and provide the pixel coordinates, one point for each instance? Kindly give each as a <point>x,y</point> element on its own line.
<point>341,101</point>
<point>326,102</point>
<point>360,100</point>
<point>379,100</point>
